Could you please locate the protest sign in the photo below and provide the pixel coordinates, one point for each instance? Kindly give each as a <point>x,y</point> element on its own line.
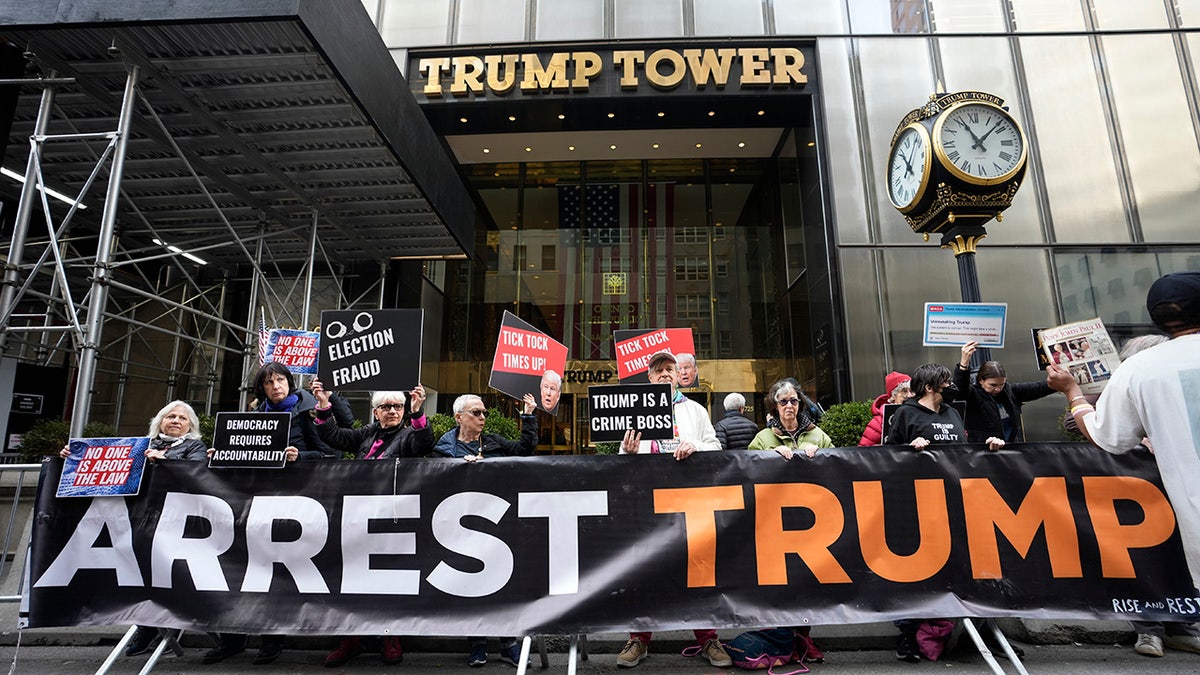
<point>371,349</point>
<point>253,440</point>
<point>635,347</point>
<point>645,408</point>
<point>528,361</point>
<point>1084,349</point>
<point>103,467</point>
<point>957,323</point>
<point>296,350</point>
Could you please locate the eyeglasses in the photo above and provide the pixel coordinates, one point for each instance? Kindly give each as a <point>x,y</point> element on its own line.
<point>477,413</point>
<point>387,407</point>
<point>788,401</point>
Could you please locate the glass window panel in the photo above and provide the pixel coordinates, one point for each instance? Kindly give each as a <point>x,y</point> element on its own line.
<point>1156,126</point>
<point>809,18</point>
<point>845,166</point>
<point>1073,140</point>
<point>1048,15</point>
<point>729,17</point>
<point>897,77</point>
<point>967,16</point>
<point>1117,14</point>
<point>491,21</point>
<point>1189,13</point>
<point>972,60</point>
<point>570,20</point>
<point>888,16</point>
<point>411,23</point>
<point>865,336</point>
<point>649,18</point>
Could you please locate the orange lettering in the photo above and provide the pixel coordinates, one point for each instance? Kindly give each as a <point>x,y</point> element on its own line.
<point>1045,505</point>
<point>698,506</point>
<point>933,530</point>
<point>773,543</point>
<point>1114,539</point>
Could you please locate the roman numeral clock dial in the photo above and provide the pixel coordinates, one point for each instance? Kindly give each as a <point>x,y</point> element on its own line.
<point>979,143</point>
<point>909,163</point>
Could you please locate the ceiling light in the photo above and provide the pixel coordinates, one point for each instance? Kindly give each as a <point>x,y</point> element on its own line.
<point>811,143</point>
<point>762,112</point>
<point>528,149</point>
<point>571,148</point>
<point>176,249</point>
<point>699,145</point>
<point>655,146</point>
<point>512,118</point>
<point>732,169</point>
<point>486,150</point>
<point>611,115</point>
<point>20,178</point>
<point>562,116</point>
<point>712,113</point>
<point>463,120</point>
<point>662,114</point>
<point>612,147</point>
<point>742,144</point>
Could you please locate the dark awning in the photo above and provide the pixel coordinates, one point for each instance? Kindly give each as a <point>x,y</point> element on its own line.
<point>279,106</point>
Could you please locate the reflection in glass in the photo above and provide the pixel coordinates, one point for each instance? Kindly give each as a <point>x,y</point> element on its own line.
<point>729,17</point>
<point>570,20</point>
<point>412,23</point>
<point>648,18</point>
<point>485,21</point>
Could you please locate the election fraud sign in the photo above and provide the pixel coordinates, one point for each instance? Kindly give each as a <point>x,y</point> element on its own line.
<point>612,543</point>
<point>635,347</point>
<point>528,361</point>
<point>371,349</point>
<point>250,440</point>
<point>296,350</point>
<point>103,467</point>
<point>617,408</point>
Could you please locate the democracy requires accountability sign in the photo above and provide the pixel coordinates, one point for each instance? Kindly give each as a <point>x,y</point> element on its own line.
<point>580,544</point>
<point>250,440</point>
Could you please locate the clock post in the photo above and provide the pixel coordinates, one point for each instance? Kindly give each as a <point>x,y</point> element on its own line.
<point>954,164</point>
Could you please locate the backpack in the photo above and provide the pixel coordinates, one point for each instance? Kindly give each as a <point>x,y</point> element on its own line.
<point>757,649</point>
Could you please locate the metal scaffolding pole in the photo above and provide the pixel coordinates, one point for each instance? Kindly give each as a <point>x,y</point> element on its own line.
<point>383,270</point>
<point>89,352</point>
<point>312,261</point>
<point>123,378</point>
<point>16,250</point>
<point>212,364</point>
<point>255,282</point>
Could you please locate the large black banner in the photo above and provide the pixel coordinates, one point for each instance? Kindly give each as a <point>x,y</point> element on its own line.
<point>609,543</point>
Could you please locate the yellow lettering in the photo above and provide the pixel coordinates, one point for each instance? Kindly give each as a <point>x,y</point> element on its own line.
<point>669,80</point>
<point>587,66</point>
<point>754,67</point>
<point>497,64</point>
<point>710,64</point>
<point>552,76</point>
<point>468,72</point>
<point>789,63</point>
<point>628,61</point>
<point>432,70</point>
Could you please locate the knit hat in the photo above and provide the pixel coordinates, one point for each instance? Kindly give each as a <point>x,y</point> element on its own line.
<point>1180,288</point>
<point>894,379</point>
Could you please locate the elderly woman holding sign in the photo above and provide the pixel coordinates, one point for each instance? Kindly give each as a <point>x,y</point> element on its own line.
<point>275,387</point>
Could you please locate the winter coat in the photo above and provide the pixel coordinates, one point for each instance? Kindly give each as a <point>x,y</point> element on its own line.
<point>983,418</point>
<point>735,431</point>
<point>490,445</point>
<point>406,441</point>
<point>873,434</point>
<point>303,433</point>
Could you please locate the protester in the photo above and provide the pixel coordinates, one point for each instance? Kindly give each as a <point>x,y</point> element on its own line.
<point>174,434</point>
<point>468,441</point>
<point>1152,396</point>
<point>388,437</point>
<point>693,432</point>
<point>276,390</point>
<point>794,428</point>
<point>735,430</point>
<point>897,389</point>
<point>993,403</point>
<point>923,420</point>
<point>689,374</point>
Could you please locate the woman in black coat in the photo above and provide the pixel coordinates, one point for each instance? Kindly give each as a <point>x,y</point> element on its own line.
<point>993,404</point>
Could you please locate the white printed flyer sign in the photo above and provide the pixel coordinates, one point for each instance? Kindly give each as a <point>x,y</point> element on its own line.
<point>1085,350</point>
<point>953,324</point>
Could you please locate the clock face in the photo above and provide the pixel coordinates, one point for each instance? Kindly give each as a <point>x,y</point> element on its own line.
<point>908,167</point>
<point>979,143</point>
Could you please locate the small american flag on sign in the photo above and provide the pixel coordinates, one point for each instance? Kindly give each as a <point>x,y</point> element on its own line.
<point>264,337</point>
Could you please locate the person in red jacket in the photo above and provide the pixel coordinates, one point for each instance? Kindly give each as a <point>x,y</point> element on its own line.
<point>897,388</point>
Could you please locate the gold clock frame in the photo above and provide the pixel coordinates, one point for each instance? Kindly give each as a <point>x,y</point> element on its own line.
<point>958,173</point>
<point>926,170</point>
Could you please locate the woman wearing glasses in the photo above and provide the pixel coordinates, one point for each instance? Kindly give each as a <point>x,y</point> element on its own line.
<point>792,426</point>
<point>388,437</point>
<point>468,441</point>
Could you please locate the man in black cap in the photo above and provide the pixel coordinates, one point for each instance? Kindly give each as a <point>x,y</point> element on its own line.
<point>1155,394</point>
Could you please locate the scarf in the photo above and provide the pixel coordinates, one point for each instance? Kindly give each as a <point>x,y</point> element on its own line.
<point>163,441</point>
<point>285,405</point>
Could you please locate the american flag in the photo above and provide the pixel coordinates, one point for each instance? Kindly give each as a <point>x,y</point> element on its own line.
<point>603,212</point>
<point>264,337</point>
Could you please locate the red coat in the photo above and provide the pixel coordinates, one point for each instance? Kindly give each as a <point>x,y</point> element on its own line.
<point>873,434</point>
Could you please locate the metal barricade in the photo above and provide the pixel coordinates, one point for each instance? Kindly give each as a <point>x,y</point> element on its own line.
<point>22,480</point>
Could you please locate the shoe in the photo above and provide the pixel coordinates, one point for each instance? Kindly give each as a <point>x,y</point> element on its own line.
<point>906,648</point>
<point>143,641</point>
<point>347,649</point>
<point>1184,643</point>
<point>226,647</point>
<point>1148,645</point>
<point>632,653</point>
<point>478,655</point>
<point>392,652</point>
<point>511,654</point>
<point>271,648</point>
<point>716,654</point>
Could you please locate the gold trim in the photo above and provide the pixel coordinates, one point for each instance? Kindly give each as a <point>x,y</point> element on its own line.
<point>961,244</point>
<point>959,173</point>
<point>925,170</point>
<point>978,205</point>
